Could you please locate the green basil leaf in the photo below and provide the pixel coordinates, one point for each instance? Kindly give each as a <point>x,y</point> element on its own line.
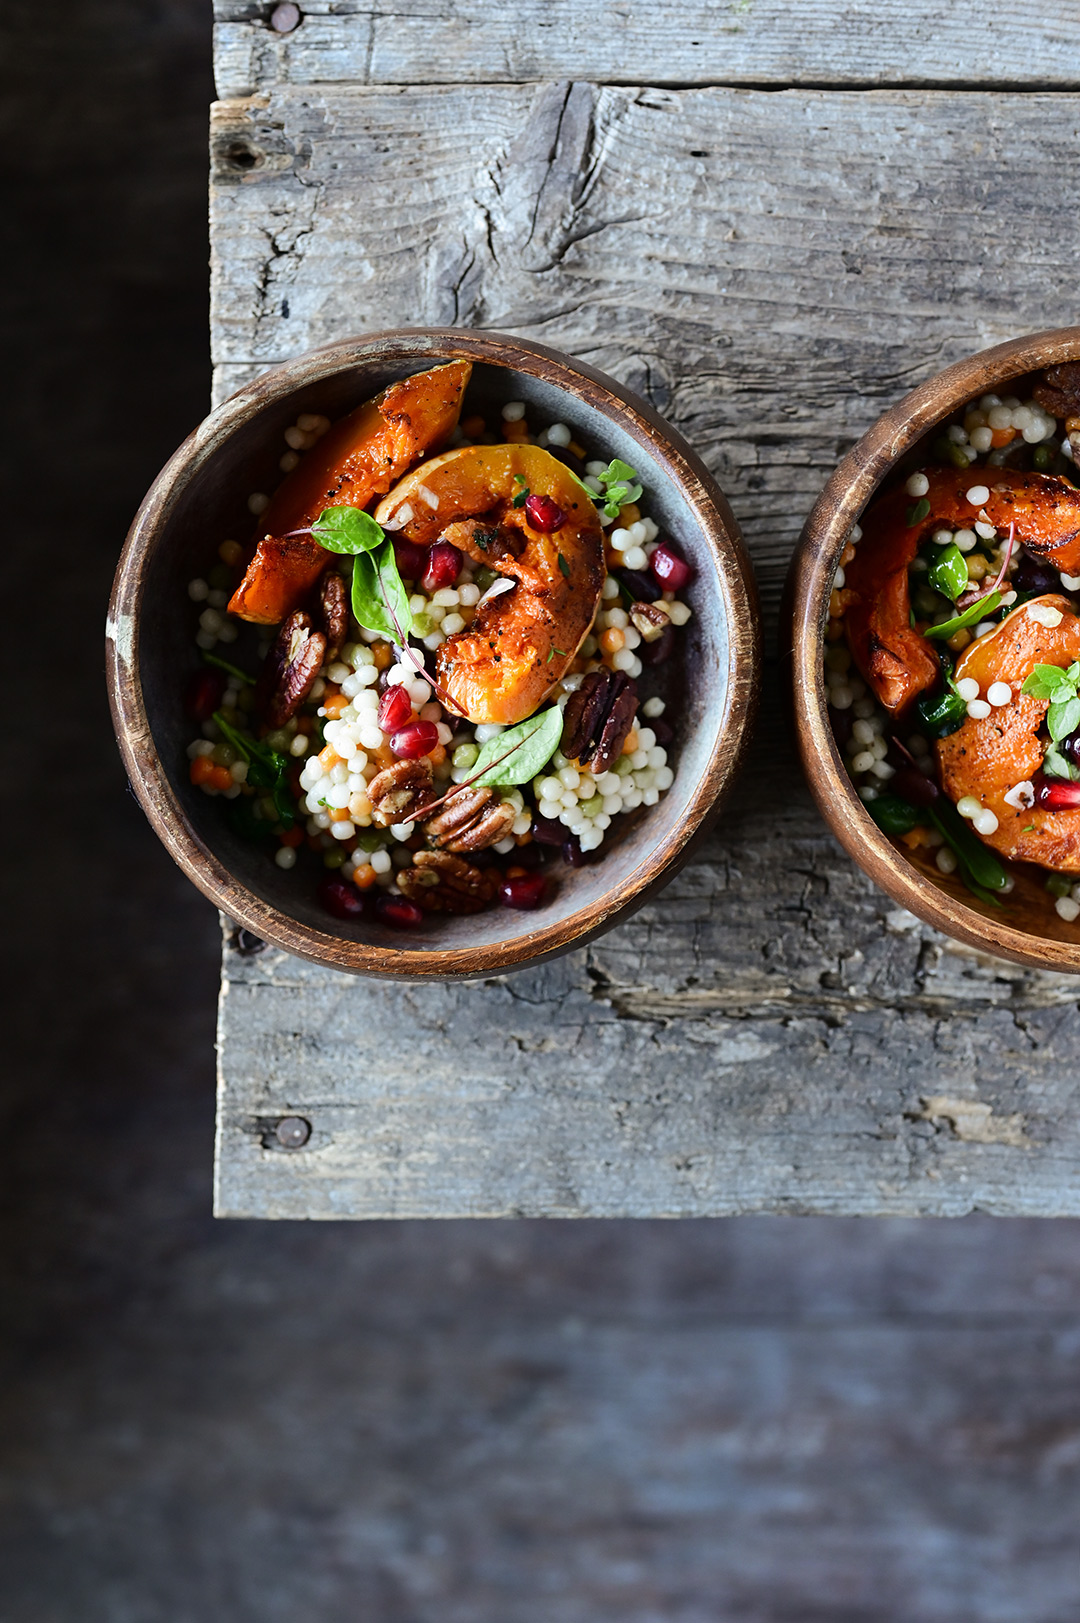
<point>1046,681</point>
<point>527,749</point>
<point>970,617</point>
<point>1063,717</point>
<point>1056,765</point>
<point>348,530</point>
<point>379,600</point>
<point>948,573</point>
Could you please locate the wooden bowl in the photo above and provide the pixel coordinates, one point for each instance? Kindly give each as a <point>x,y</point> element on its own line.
<point>1025,928</point>
<point>199,498</point>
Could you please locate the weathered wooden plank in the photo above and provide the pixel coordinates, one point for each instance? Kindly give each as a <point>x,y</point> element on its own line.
<point>771,270</point>
<point>752,42</point>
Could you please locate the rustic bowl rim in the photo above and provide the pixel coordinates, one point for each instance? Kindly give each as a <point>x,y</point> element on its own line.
<point>850,487</point>
<point>734,583</point>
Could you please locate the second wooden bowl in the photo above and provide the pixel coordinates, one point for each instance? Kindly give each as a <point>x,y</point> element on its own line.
<point>1026,928</point>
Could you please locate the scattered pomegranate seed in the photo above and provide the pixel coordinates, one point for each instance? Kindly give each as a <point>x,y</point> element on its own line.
<point>418,738</point>
<point>912,785</point>
<point>412,560</point>
<point>523,891</point>
<point>672,571</point>
<point>341,899</point>
<point>547,830</point>
<point>399,912</point>
<point>544,514</point>
<point>204,693</point>
<point>1056,794</point>
<point>658,652</point>
<point>443,567</point>
<point>395,709</point>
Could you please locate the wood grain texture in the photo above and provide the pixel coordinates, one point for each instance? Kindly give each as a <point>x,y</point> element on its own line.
<point>771,271</point>
<point>752,42</point>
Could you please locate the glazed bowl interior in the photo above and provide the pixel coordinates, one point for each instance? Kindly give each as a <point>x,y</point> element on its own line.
<point>201,500</point>
<point>1024,928</point>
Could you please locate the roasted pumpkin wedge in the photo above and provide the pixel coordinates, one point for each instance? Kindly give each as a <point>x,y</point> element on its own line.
<point>358,459</point>
<point>989,756</point>
<point>892,655</point>
<point>517,509</point>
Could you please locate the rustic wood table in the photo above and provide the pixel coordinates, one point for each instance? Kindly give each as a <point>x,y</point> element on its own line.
<point>771,220</point>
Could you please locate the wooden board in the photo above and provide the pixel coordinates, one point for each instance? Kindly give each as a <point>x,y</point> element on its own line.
<point>771,270</point>
<point>745,42</point>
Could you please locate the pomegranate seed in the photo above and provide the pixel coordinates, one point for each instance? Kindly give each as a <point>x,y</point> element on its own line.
<point>656,653</point>
<point>547,830</point>
<point>912,785</point>
<point>1056,794</point>
<point>544,514</point>
<point>444,566</point>
<point>412,560</point>
<point>418,738</point>
<point>395,709</point>
<point>341,899</point>
<point>204,694</point>
<point>572,854</point>
<point>524,891</point>
<point>672,571</point>
<point>398,912</point>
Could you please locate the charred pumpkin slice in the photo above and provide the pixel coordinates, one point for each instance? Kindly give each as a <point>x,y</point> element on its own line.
<point>519,510</point>
<point>892,655</point>
<point>987,758</point>
<point>358,459</point>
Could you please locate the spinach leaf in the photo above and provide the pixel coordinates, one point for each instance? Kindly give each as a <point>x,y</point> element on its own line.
<point>267,769</point>
<point>520,752</point>
<point>347,530</point>
<point>970,617</point>
<point>379,600</point>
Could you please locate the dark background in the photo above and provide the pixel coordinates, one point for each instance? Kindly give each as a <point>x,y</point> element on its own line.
<point>764,1419</point>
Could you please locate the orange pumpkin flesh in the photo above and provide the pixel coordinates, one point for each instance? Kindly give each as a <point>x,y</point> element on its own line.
<point>893,657</point>
<point>504,665</point>
<point>987,758</point>
<point>358,459</point>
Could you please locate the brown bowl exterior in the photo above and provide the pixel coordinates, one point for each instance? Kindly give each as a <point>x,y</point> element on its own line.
<point>1026,930</point>
<point>199,498</point>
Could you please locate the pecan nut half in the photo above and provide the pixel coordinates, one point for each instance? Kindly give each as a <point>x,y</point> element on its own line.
<point>400,793</point>
<point>1058,391</point>
<point>333,610</point>
<point>442,883</point>
<point>650,619</point>
<point>598,718</point>
<point>470,820</point>
<point>290,669</point>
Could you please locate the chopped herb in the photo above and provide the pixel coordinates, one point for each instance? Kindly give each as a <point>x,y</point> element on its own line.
<point>564,567</point>
<point>918,512</point>
<point>484,538</point>
<point>1029,830</point>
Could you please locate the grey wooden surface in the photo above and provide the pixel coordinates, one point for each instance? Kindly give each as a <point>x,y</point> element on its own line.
<point>771,269</point>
